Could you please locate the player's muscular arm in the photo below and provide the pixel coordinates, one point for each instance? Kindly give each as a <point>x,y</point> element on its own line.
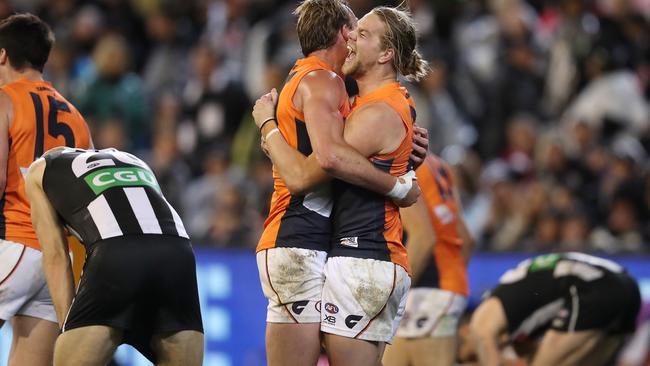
<point>487,327</point>
<point>379,121</point>
<point>6,115</point>
<point>421,236</point>
<point>299,173</point>
<point>320,99</point>
<point>56,262</point>
<point>320,104</point>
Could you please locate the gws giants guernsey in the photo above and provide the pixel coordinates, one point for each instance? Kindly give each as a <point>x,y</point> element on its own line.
<point>366,224</point>
<point>103,194</point>
<point>298,221</point>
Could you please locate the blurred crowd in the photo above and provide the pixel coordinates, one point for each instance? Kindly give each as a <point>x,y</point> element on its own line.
<point>541,106</point>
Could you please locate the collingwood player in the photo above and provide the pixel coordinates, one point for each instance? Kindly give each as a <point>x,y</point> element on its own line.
<point>582,307</point>
<point>139,282</point>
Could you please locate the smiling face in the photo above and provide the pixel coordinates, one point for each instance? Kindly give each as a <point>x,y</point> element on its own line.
<point>345,33</point>
<point>364,46</point>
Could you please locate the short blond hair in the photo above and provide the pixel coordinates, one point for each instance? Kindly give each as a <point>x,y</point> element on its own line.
<point>319,21</point>
<point>401,36</point>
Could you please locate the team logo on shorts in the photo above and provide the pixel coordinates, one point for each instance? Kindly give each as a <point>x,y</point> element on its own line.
<point>331,308</point>
<point>299,306</point>
<point>352,320</point>
<point>317,306</point>
<point>421,321</point>
<point>351,241</point>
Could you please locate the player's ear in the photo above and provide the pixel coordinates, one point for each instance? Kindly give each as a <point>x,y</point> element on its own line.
<point>344,33</point>
<point>386,55</point>
<point>3,56</point>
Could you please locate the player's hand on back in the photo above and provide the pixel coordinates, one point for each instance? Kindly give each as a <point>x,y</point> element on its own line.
<point>420,145</point>
<point>413,193</point>
<point>265,107</point>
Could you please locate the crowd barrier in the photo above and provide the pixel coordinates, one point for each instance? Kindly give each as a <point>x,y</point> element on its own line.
<point>234,308</point>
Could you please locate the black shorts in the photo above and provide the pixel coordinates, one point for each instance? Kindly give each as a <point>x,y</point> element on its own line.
<point>144,285</point>
<point>610,304</point>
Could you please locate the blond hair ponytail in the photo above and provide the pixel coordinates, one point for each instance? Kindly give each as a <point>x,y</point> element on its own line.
<point>401,36</point>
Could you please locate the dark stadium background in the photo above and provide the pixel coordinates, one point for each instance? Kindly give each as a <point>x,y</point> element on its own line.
<point>541,107</point>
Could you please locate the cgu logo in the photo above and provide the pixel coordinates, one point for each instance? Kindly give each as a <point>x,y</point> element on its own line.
<point>104,179</point>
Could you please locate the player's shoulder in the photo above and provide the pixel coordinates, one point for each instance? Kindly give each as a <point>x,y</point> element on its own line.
<point>322,79</point>
<point>375,112</point>
<point>6,103</point>
<point>322,85</point>
<point>35,171</point>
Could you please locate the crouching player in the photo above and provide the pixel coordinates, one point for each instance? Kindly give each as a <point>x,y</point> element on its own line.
<point>139,281</point>
<point>581,306</point>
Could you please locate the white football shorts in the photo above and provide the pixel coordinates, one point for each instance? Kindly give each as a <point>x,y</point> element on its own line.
<point>23,288</point>
<point>292,280</point>
<point>431,312</point>
<point>363,298</point>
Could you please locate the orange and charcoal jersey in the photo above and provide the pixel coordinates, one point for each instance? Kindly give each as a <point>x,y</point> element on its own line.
<point>446,269</point>
<point>366,224</point>
<point>298,221</point>
<point>42,120</point>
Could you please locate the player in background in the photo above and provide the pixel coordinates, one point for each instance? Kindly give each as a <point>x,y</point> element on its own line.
<point>439,246</point>
<point>366,275</point>
<point>293,249</point>
<point>139,281</point>
<point>581,306</point>
<point>34,118</point>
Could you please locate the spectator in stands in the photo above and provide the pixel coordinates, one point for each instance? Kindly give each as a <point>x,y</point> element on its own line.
<point>114,92</point>
<point>213,106</point>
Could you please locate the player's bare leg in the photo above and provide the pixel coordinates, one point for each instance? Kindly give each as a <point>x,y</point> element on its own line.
<point>33,341</point>
<point>438,351</point>
<point>572,348</point>
<point>86,346</point>
<point>292,344</point>
<point>434,351</point>
<point>398,353</point>
<point>181,348</point>
<point>343,351</point>
<point>605,351</point>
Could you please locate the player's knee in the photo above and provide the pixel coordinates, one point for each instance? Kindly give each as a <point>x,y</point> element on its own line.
<point>184,346</point>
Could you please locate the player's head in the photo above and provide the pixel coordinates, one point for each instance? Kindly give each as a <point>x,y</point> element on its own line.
<point>323,24</point>
<point>59,149</point>
<point>25,42</point>
<point>385,36</point>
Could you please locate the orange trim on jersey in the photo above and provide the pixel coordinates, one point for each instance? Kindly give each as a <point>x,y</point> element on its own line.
<point>43,119</point>
<point>396,97</point>
<point>78,258</point>
<point>287,114</point>
<point>437,186</point>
